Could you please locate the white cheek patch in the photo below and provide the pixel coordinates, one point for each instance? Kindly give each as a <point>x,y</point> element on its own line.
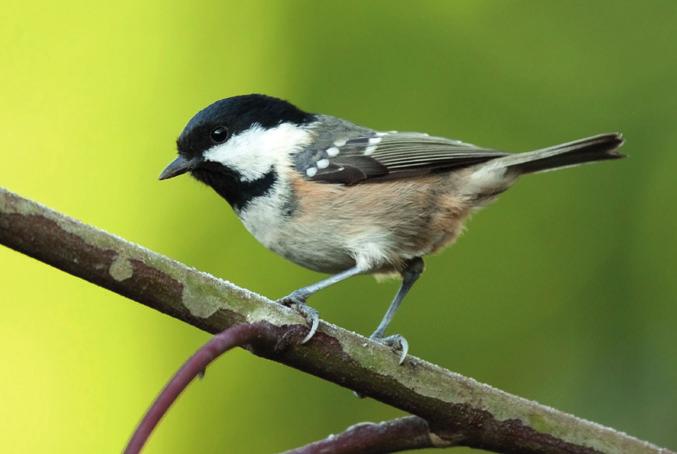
<point>253,152</point>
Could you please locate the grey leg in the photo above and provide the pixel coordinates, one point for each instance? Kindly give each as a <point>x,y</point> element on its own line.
<point>410,275</point>
<point>297,298</point>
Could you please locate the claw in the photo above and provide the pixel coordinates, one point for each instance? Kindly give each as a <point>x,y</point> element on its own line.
<point>298,303</point>
<point>397,343</point>
<point>312,317</point>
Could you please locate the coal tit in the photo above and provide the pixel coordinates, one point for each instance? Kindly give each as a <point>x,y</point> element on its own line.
<point>344,199</point>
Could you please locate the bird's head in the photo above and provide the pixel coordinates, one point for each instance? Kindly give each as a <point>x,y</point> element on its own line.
<point>234,144</point>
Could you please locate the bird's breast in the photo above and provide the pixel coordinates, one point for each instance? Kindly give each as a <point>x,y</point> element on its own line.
<point>329,228</point>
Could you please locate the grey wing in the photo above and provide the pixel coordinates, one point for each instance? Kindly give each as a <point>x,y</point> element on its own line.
<point>379,156</point>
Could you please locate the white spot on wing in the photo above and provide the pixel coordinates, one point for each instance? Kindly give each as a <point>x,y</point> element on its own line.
<point>311,171</point>
<point>323,163</point>
<point>369,150</point>
<point>340,143</point>
<point>333,151</point>
<point>375,141</point>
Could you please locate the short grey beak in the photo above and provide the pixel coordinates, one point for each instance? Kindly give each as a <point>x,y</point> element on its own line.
<point>178,166</point>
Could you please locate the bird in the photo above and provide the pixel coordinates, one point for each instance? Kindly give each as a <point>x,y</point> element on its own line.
<point>348,200</point>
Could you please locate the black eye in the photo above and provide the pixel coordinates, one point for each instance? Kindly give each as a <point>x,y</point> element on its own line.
<point>219,135</point>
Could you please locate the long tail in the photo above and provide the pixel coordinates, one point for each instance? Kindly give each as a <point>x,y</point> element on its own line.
<point>596,148</point>
<point>495,176</point>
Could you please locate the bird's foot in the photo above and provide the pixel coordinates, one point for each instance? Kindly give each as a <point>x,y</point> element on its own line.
<point>396,342</point>
<point>297,301</point>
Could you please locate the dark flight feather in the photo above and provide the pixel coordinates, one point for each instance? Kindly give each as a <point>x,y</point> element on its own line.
<point>397,155</point>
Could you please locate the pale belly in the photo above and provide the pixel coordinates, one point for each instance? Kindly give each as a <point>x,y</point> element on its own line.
<point>336,227</point>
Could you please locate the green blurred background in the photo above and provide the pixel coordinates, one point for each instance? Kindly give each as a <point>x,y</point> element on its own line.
<point>563,291</point>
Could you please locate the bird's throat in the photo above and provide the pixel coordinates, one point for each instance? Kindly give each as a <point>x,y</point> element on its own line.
<point>230,185</point>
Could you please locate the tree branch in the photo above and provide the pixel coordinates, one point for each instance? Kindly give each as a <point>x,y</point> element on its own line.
<point>457,409</point>
<point>409,432</point>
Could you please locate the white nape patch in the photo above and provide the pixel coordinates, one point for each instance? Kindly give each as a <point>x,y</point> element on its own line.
<point>340,143</point>
<point>333,151</point>
<point>253,152</point>
<point>369,150</point>
<point>375,140</point>
<point>323,163</point>
<point>311,171</point>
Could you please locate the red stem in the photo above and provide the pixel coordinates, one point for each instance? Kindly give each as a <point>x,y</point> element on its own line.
<point>234,336</point>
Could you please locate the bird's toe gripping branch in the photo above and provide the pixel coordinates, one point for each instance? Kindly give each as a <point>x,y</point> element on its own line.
<point>297,301</point>
<point>396,342</point>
